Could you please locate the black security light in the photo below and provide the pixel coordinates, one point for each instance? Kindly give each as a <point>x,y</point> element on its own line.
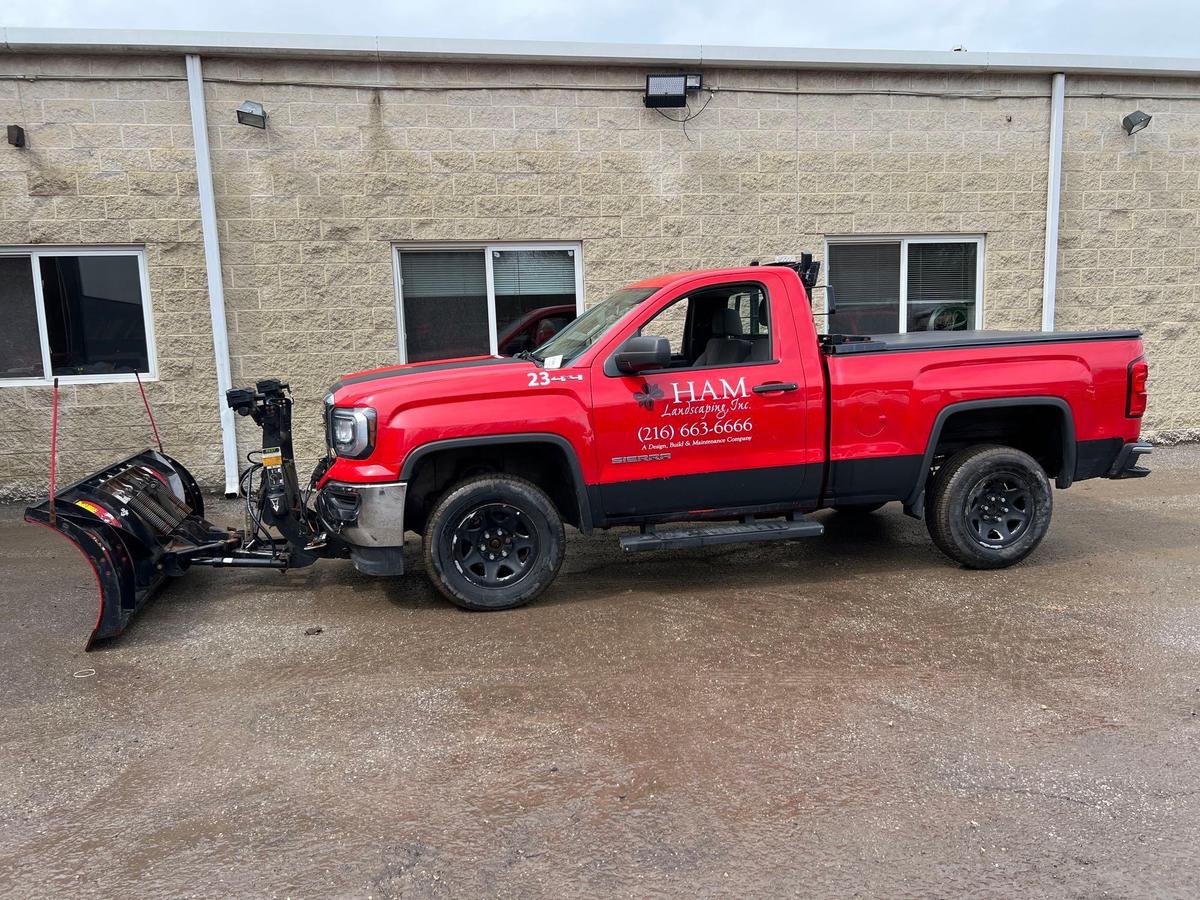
<point>16,135</point>
<point>1135,121</point>
<point>252,113</point>
<point>670,90</point>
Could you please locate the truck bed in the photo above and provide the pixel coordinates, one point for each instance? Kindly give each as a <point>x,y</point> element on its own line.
<point>842,345</point>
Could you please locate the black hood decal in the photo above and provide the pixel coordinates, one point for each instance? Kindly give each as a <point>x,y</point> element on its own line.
<point>421,369</point>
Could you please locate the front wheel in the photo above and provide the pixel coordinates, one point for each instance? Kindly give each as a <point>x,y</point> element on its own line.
<point>989,506</point>
<point>493,542</point>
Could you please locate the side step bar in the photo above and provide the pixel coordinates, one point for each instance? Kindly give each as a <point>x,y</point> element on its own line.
<point>748,532</point>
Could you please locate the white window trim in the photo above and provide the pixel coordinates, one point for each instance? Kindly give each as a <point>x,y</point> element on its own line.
<point>35,252</point>
<point>486,249</point>
<point>904,240</point>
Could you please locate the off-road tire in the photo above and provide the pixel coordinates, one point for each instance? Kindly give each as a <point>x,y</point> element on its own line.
<point>500,499</point>
<point>858,509</point>
<point>975,531</point>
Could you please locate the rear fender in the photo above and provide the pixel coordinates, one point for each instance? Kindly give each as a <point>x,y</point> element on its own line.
<point>914,503</point>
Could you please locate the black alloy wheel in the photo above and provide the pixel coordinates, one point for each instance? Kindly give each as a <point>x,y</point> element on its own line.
<point>493,542</point>
<point>988,506</point>
<point>494,545</point>
<point>999,509</point>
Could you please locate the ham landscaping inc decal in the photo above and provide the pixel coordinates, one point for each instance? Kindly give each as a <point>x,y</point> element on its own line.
<point>695,414</point>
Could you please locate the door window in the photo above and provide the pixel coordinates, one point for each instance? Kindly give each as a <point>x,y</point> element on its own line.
<point>719,326</point>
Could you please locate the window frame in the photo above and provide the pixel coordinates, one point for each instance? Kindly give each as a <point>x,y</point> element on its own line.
<point>34,253</point>
<point>486,248</point>
<point>904,240</point>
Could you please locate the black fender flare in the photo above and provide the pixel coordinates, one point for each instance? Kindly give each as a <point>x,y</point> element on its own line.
<point>418,453</point>
<point>914,504</point>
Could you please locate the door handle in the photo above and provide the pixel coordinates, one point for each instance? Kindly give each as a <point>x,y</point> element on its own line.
<point>775,387</point>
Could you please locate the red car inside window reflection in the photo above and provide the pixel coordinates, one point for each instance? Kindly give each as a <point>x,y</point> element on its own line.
<point>534,328</point>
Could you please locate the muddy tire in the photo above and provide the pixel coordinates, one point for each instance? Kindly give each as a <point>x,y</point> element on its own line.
<point>493,542</point>
<point>858,509</point>
<point>989,506</point>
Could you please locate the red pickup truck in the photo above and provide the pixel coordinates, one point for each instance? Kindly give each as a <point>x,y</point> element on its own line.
<point>707,397</point>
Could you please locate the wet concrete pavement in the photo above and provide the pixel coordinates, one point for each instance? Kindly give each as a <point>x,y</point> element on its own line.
<point>844,716</point>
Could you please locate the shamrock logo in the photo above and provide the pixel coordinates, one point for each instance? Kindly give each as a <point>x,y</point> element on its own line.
<point>647,395</point>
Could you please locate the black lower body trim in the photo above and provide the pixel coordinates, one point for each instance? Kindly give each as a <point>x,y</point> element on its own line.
<point>875,479</point>
<point>1095,458</point>
<point>741,490</point>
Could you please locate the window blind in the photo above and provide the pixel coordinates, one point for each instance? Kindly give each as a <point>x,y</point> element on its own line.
<point>437,273</point>
<point>865,273</point>
<point>538,272</point>
<point>942,273</point>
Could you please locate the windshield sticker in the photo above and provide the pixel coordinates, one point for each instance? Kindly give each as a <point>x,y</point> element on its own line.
<point>695,414</point>
<point>553,362</point>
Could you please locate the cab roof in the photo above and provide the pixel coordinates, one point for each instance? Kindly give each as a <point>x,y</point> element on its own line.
<point>658,282</point>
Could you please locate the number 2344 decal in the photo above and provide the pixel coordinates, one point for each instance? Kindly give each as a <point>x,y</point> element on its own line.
<point>543,378</point>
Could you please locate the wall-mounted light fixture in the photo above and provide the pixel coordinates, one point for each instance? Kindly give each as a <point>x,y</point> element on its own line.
<point>670,90</point>
<point>16,135</point>
<point>1135,121</point>
<point>252,113</point>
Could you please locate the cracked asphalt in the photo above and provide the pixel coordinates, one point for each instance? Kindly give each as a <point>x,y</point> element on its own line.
<point>849,715</point>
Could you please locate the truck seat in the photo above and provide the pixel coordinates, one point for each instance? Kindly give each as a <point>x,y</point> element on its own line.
<point>726,347</point>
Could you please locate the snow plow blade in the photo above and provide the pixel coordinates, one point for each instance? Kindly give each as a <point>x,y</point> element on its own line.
<point>138,523</point>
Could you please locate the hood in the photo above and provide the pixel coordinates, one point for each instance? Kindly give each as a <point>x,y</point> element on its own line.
<point>449,376</point>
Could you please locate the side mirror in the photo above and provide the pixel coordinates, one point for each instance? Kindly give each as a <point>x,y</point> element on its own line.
<point>641,353</point>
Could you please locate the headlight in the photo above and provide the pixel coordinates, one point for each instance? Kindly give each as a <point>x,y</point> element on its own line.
<point>352,432</point>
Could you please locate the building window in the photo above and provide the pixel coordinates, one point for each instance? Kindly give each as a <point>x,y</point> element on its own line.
<point>476,300</point>
<point>78,315</point>
<point>888,285</point>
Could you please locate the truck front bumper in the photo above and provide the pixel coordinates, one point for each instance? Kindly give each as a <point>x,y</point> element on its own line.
<point>370,519</point>
<point>1126,463</point>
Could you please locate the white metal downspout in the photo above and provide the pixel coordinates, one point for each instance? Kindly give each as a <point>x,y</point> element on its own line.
<point>212,263</point>
<point>1053,199</point>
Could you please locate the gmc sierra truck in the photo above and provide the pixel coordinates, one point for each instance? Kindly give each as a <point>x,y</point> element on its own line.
<point>707,398</point>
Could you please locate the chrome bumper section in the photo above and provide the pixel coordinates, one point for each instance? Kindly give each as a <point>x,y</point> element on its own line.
<point>365,515</point>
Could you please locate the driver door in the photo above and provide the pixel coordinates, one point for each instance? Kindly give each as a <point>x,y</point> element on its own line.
<point>723,427</point>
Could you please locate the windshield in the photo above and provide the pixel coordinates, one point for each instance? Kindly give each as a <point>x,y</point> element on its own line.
<point>587,329</point>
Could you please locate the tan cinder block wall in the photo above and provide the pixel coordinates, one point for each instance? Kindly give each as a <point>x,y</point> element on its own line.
<point>357,156</point>
<point>1130,231</point>
<point>110,162</point>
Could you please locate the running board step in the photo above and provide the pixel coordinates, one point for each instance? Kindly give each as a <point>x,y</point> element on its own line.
<point>721,534</point>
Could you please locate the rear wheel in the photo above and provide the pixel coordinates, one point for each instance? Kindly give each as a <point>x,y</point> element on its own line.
<point>989,506</point>
<point>493,542</point>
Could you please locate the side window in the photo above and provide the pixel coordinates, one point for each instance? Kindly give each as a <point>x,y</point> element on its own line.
<point>671,323</point>
<point>718,326</point>
<point>754,311</point>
